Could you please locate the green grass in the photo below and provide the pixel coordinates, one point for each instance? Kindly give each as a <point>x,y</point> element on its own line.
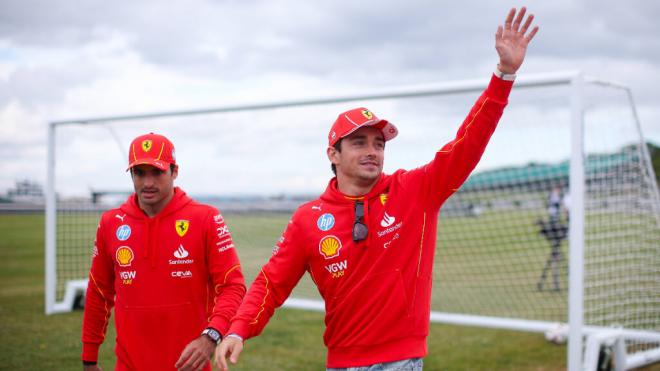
<point>293,339</point>
<point>30,340</point>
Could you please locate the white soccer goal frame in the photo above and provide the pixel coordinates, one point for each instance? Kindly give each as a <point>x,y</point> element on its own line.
<point>576,358</point>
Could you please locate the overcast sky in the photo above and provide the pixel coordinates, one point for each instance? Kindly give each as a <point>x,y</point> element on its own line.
<point>72,59</point>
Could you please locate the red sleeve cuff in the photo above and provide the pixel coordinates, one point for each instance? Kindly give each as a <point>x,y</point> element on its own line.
<point>220,325</point>
<point>499,89</point>
<point>90,352</point>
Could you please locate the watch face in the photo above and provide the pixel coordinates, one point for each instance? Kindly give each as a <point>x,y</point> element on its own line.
<point>213,334</point>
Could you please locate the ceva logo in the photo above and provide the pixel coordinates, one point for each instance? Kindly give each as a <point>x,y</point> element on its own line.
<point>387,220</point>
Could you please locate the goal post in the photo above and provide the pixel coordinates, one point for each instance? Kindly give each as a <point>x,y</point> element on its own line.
<point>576,237</point>
<point>501,256</point>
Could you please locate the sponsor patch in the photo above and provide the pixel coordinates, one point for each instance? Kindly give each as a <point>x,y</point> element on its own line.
<point>181,227</point>
<point>389,230</point>
<point>123,232</point>
<point>337,269</point>
<point>146,145</point>
<point>218,219</point>
<point>279,243</point>
<point>366,113</point>
<point>124,256</point>
<point>387,220</point>
<point>388,243</point>
<point>95,252</point>
<point>329,247</point>
<point>224,230</point>
<point>325,222</point>
<point>383,198</point>
<point>181,274</point>
<point>181,252</point>
<point>127,277</point>
<point>226,247</point>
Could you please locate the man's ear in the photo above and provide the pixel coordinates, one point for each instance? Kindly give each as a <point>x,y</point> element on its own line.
<point>175,171</point>
<point>332,154</point>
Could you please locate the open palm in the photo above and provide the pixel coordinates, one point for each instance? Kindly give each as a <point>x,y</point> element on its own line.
<point>511,40</point>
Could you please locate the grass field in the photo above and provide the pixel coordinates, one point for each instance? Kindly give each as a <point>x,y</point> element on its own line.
<point>29,340</point>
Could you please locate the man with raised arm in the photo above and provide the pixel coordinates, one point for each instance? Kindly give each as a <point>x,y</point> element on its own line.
<point>369,241</point>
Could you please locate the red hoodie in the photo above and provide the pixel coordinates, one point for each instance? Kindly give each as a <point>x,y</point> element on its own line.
<point>168,277</point>
<point>377,291</point>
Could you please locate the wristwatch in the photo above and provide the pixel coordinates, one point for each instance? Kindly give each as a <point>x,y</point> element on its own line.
<point>212,334</point>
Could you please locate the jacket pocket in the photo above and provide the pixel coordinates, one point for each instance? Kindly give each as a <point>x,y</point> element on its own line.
<point>153,337</point>
<point>374,312</point>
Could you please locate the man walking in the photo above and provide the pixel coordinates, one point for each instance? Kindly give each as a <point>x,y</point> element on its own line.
<point>369,241</point>
<point>168,266</point>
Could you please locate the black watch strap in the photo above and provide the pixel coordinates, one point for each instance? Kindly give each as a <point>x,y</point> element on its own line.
<point>90,363</point>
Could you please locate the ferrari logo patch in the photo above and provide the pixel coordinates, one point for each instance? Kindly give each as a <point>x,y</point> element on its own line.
<point>383,198</point>
<point>181,227</point>
<point>146,145</point>
<point>366,113</point>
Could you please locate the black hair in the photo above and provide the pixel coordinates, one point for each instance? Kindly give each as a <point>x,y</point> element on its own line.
<point>337,146</point>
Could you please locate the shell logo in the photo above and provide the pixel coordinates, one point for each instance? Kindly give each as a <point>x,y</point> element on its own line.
<point>124,256</point>
<point>329,247</point>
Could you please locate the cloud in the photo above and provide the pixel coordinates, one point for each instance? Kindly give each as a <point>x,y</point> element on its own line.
<point>96,58</point>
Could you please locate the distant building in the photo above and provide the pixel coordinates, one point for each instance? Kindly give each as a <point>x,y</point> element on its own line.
<point>26,192</point>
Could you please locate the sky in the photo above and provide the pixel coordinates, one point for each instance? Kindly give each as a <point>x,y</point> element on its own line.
<point>64,60</point>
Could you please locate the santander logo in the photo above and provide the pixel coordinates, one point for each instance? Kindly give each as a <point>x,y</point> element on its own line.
<point>387,220</point>
<point>181,253</point>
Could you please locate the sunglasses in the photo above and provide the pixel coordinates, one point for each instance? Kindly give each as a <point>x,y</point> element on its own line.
<point>360,230</point>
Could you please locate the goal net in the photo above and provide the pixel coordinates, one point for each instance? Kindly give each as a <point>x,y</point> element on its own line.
<point>506,239</point>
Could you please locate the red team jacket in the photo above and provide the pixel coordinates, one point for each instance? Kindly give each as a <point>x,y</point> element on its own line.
<point>377,291</point>
<point>168,278</point>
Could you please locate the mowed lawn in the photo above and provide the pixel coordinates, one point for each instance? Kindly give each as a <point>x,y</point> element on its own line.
<point>30,340</point>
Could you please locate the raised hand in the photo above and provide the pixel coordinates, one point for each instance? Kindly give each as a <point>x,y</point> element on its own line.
<point>511,41</point>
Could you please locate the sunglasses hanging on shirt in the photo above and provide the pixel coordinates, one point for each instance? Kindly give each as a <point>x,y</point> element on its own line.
<point>360,230</point>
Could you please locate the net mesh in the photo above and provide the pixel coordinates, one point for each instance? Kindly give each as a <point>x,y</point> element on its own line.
<point>502,245</point>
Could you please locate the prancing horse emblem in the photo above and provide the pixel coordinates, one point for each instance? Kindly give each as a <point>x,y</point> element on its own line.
<point>181,227</point>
